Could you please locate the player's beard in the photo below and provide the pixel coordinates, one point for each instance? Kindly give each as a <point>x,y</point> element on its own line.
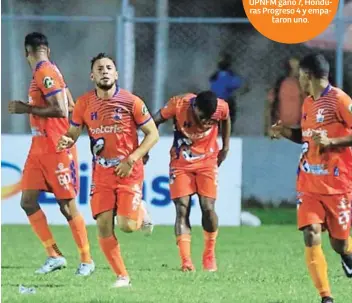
<point>105,87</point>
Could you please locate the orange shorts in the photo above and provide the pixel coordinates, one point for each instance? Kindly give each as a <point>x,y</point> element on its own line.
<point>56,173</point>
<point>126,199</point>
<point>333,211</point>
<point>186,182</point>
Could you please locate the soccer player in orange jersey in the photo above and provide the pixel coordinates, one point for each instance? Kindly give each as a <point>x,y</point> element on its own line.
<point>324,174</point>
<point>195,158</point>
<point>45,168</point>
<point>113,116</point>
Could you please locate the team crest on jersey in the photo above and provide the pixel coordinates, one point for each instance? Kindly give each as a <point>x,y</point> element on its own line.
<point>144,110</point>
<point>320,117</point>
<point>117,114</point>
<point>350,108</point>
<point>48,82</point>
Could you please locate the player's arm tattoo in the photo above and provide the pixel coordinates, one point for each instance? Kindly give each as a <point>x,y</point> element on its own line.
<point>226,133</point>
<point>56,107</point>
<point>293,134</point>
<point>151,137</point>
<point>158,118</point>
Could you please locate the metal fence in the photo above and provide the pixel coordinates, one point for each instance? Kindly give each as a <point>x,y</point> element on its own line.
<point>161,53</point>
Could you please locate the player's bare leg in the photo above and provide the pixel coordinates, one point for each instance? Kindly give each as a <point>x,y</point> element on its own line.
<point>316,262</point>
<point>111,248</point>
<point>38,221</point>
<point>183,232</point>
<point>143,222</point>
<point>69,209</point>
<point>210,228</point>
<point>344,249</point>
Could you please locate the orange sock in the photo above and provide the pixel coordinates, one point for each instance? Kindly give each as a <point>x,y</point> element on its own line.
<point>184,246</point>
<point>41,229</point>
<point>79,233</point>
<point>318,269</point>
<point>209,242</point>
<point>111,250</point>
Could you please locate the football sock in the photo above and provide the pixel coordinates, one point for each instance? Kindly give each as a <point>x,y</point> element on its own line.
<point>111,250</point>
<point>184,246</point>
<point>318,269</point>
<point>79,233</point>
<point>41,229</point>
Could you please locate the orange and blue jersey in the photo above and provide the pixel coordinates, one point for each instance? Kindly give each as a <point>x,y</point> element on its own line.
<point>193,143</point>
<point>112,127</point>
<point>47,81</point>
<point>327,171</point>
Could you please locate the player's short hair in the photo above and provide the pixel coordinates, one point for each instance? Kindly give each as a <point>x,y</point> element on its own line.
<point>98,57</point>
<point>36,40</point>
<point>207,103</point>
<point>316,64</point>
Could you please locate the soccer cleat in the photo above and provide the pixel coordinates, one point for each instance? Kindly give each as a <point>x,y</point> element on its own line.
<point>346,262</point>
<point>122,282</point>
<point>51,264</point>
<point>209,263</point>
<point>187,265</point>
<point>85,269</point>
<point>147,224</point>
<point>327,300</point>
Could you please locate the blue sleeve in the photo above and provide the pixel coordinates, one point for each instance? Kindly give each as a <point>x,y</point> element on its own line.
<point>235,82</point>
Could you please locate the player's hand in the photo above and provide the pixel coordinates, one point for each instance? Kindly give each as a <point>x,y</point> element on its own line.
<point>145,159</point>
<point>18,107</point>
<point>124,169</point>
<point>64,143</point>
<point>321,139</point>
<point>276,130</point>
<point>222,155</point>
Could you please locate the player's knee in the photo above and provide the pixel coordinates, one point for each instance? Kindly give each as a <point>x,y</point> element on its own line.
<point>339,246</point>
<point>127,225</point>
<point>208,213</point>
<point>312,234</point>
<point>29,205</point>
<point>68,208</point>
<point>105,227</point>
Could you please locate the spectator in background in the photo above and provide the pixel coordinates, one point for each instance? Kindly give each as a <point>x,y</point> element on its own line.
<point>224,83</point>
<point>285,98</point>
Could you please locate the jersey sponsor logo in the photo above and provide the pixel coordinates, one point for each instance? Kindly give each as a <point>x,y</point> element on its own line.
<point>318,169</point>
<point>319,116</point>
<point>309,132</point>
<point>48,82</point>
<point>106,129</point>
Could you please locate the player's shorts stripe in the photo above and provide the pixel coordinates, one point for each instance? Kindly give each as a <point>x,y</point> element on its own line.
<point>146,121</point>
<point>53,93</point>
<point>74,124</point>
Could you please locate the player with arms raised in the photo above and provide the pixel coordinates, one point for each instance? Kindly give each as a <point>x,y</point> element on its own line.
<point>195,158</point>
<point>324,175</point>
<point>45,168</point>
<point>112,117</point>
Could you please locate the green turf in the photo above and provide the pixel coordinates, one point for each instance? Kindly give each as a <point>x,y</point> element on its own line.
<point>256,265</point>
<point>276,216</point>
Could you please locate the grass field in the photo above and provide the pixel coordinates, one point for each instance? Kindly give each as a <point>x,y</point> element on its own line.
<point>256,265</point>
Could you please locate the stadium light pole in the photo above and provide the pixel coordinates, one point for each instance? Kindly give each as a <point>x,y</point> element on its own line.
<point>340,36</point>
<point>161,54</point>
<point>18,123</point>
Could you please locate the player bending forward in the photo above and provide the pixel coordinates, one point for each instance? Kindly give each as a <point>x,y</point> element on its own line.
<point>324,181</point>
<point>112,117</point>
<point>195,158</point>
<point>45,168</point>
